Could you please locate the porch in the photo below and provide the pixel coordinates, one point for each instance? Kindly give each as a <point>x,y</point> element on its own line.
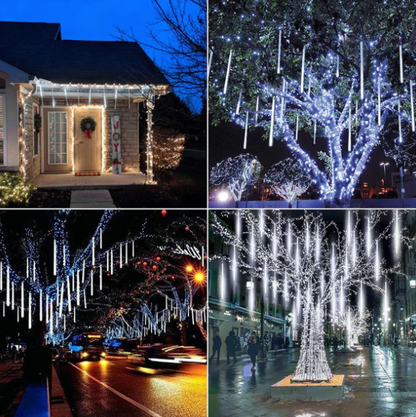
<point>103,181</point>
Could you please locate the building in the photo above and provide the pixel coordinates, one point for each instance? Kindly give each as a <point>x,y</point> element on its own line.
<point>74,106</point>
<point>234,308</point>
<point>404,287</point>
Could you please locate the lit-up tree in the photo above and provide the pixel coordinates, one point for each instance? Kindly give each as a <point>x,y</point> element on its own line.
<point>53,276</point>
<point>168,290</point>
<point>355,323</point>
<point>169,145</point>
<point>312,261</point>
<point>237,174</point>
<point>288,179</point>
<point>342,72</point>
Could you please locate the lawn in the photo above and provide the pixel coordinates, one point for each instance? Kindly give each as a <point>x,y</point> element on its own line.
<point>185,187</point>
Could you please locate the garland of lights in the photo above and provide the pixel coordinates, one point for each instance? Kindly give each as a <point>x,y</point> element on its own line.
<point>313,263</point>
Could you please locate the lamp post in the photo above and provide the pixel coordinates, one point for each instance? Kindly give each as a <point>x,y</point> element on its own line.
<point>384,164</point>
<point>412,285</point>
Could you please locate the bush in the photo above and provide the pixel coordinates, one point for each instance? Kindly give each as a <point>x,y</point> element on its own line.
<point>14,190</point>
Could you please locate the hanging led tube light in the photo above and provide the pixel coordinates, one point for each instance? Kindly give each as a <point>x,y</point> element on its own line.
<point>279,52</point>
<point>349,130</point>
<point>401,63</point>
<point>379,100</point>
<point>412,106</point>
<point>245,132</point>
<point>362,70</point>
<point>271,136</point>
<point>237,111</point>
<point>302,78</point>
<point>400,122</point>
<point>227,76</point>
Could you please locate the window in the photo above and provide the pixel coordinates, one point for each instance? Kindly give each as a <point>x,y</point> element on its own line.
<point>57,137</point>
<point>2,126</point>
<point>36,134</point>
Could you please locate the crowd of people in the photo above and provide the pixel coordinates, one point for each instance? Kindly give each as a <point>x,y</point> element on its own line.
<point>252,345</point>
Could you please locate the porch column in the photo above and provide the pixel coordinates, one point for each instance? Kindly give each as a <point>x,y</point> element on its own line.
<point>149,145</point>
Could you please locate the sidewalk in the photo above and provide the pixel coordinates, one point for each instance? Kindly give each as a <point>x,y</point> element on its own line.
<point>91,199</point>
<point>11,387</point>
<point>270,355</point>
<point>379,382</point>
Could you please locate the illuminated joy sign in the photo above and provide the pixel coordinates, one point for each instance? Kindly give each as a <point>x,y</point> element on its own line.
<point>116,144</point>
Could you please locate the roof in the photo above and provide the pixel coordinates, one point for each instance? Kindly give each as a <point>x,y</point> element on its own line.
<point>37,49</point>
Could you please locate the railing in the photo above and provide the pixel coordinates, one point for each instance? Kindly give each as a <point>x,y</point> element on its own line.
<point>35,401</point>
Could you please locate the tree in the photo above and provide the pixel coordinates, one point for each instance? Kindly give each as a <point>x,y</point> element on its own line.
<point>288,179</point>
<point>312,261</point>
<point>185,48</point>
<point>354,322</point>
<point>237,174</point>
<point>332,70</point>
<point>60,265</point>
<point>169,145</point>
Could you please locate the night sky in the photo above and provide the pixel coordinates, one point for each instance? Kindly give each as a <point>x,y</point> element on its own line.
<point>94,20</point>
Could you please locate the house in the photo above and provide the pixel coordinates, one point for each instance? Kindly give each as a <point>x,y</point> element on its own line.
<point>74,106</point>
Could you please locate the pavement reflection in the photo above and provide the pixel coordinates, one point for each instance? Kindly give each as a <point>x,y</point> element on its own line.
<point>380,382</point>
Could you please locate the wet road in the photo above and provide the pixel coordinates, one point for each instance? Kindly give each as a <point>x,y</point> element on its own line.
<point>109,389</point>
<point>380,382</point>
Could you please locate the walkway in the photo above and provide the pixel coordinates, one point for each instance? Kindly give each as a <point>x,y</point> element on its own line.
<point>380,382</point>
<point>103,181</point>
<point>93,199</point>
<point>11,387</point>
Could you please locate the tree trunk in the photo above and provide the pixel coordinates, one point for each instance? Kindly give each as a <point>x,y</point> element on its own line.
<point>262,350</point>
<point>183,333</point>
<point>312,364</point>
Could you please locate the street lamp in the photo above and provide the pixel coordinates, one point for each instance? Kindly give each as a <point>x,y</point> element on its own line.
<point>199,277</point>
<point>384,164</point>
<point>223,196</point>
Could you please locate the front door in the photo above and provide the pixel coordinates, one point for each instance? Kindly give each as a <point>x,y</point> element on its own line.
<point>87,149</point>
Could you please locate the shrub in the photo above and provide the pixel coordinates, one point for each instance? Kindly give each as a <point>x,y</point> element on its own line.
<point>14,190</point>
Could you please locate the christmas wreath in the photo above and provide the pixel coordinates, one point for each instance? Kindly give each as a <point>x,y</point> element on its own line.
<point>88,125</point>
<point>37,122</point>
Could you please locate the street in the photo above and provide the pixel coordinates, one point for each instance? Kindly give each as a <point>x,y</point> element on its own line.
<point>110,389</point>
<point>380,382</point>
